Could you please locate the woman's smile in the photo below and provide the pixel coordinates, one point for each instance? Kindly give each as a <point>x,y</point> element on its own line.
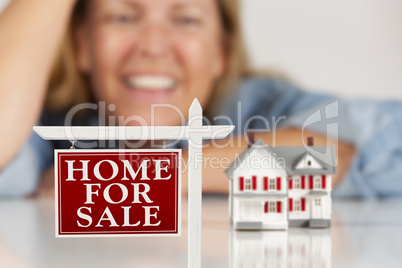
<point>151,87</point>
<point>165,51</point>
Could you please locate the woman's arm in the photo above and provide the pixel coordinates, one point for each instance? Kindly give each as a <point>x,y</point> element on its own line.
<point>215,160</point>
<point>30,35</point>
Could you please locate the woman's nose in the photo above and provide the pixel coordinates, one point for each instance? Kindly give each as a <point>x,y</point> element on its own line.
<point>154,40</point>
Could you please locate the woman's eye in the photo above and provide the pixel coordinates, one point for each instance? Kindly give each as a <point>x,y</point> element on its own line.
<point>187,21</point>
<point>123,18</point>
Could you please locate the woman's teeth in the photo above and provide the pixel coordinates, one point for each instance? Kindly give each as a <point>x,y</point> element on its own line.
<point>151,82</point>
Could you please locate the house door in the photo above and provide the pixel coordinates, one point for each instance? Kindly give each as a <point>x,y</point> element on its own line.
<point>317,207</point>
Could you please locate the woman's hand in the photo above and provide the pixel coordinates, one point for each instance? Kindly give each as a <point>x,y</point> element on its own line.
<point>30,35</point>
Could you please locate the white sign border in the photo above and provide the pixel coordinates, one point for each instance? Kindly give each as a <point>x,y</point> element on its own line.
<point>179,192</point>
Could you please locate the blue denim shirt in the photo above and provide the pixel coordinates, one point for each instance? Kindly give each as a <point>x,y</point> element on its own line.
<point>374,127</point>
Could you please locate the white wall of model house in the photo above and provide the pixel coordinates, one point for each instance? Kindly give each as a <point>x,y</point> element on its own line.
<point>252,209</point>
<point>297,193</point>
<point>260,163</point>
<point>250,198</point>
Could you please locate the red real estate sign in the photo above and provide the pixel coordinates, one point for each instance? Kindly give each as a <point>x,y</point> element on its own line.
<point>118,192</point>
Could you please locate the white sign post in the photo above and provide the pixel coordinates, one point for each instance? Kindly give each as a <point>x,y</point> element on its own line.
<point>195,132</point>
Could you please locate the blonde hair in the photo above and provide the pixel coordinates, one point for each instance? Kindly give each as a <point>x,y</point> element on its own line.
<point>68,87</point>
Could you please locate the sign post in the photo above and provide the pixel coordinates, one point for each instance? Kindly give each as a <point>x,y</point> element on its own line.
<point>195,132</point>
<point>194,185</point>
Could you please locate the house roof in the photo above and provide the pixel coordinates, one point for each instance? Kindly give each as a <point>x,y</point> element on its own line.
<point>324,155</point>
<point>259,143</point>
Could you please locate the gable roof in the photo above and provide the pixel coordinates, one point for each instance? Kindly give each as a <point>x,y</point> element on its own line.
<point>314,163</point>
<point>324,155</point>
<point>292,154</point>
<point>256,145</point>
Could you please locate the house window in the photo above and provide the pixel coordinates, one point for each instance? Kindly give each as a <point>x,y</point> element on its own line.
<point>309,163</point>
<point>272,206</point>
<point>317,183</point>
<point>317,202</point>
<point>272,184</point>
<point>296,182</point>
<point>296,205</point>
<point>247,184</point>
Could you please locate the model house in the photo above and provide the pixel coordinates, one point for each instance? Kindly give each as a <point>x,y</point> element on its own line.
<point>276,187</point>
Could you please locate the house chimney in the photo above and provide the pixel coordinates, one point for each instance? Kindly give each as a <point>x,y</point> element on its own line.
<point>310,141</point>
<point>250,137</point>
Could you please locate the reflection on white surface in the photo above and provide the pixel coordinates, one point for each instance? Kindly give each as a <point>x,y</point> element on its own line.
<point>19,232</point>
<point>27,234</point>
<point>309,248</point>
<point>297,247</point>
<point>368,233</point>
<point>363,234</point>
<point>258,249</point>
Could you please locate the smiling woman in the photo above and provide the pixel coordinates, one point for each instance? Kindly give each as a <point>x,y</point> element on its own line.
<point>131,55</point>
<point>137,53</point>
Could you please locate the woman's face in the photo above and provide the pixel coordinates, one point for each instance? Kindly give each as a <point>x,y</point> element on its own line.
<point>143,52</point>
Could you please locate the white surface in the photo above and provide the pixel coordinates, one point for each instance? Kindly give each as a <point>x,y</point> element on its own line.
<point>348,47</point>
<point>363,234</point>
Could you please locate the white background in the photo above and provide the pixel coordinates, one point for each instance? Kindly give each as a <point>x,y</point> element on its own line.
<point>348,47</point>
